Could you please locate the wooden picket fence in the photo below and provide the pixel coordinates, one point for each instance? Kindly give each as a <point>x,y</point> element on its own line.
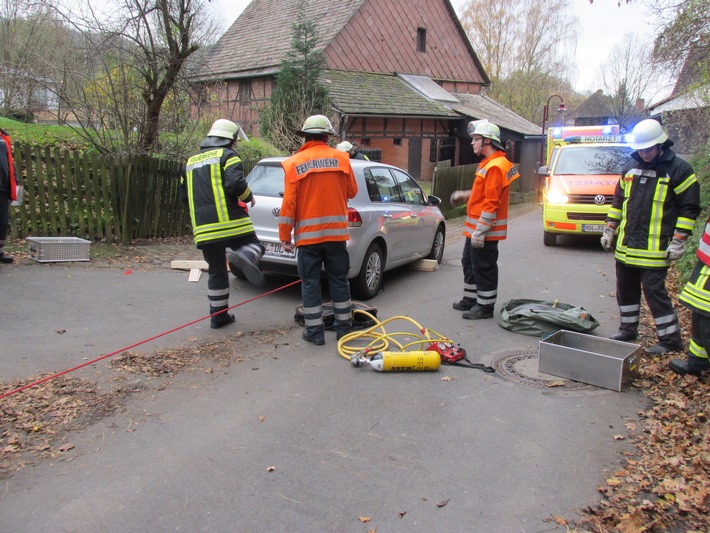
<point>69,194</point>
<point>448,179</point>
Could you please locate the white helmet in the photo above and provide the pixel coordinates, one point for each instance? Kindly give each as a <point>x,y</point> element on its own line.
<point>648,133</point>
<point>487,130</point>
<point>227,130</point>
<point>317,125</point>
<point>344,146</point>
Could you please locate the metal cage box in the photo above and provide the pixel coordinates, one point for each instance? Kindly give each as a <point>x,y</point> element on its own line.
<point>52,249</point>
<point>589,359</point>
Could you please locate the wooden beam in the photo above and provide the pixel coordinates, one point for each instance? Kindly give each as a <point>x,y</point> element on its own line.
<point>181,264</point>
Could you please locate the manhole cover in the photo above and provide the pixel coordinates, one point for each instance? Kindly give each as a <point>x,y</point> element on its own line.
<point>521,367</point>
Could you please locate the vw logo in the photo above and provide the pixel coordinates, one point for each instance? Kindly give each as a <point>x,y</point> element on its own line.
<point>276,211</point>
<point>599,199</point>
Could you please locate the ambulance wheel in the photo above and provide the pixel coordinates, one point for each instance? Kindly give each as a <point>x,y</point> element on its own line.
<point>368,282</point>
<point>236,271</point>
<point>550,239</point>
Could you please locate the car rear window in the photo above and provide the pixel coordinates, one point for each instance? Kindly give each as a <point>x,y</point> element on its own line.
<point>267,180</point>
<point>592,160</point>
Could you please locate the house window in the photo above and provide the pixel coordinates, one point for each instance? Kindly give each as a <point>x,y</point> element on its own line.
<point>244,95</point>
<point>397,142</point>
<point>421,39</point>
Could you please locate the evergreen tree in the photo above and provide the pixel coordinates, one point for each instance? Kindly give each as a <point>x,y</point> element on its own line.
<point>298,92</point>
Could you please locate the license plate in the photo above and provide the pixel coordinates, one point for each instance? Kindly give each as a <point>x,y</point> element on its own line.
<point>277,249</point>
<point>596,228</point>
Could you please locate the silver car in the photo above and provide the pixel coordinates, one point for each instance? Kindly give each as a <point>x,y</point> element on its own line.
<point>392,222</point>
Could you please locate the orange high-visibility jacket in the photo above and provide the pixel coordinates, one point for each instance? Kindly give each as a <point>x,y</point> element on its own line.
<point>487,208</point>
<point>318,183</point>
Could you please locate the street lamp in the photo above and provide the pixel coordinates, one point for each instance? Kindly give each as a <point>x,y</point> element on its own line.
<point>544,120</point>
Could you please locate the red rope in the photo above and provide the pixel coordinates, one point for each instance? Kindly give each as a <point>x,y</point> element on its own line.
<point>5,395</point>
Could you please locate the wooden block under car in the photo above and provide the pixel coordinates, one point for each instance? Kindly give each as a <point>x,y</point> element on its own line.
<point>425,265</point>
<point>182,264</point>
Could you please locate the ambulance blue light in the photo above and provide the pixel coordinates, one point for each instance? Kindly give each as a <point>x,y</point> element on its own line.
<point>607,130</point>
<point>556,133</point>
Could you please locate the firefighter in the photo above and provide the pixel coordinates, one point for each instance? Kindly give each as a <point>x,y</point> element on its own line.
<point>8,191</point>
<point>345,146</point>
<point>696,296</point>
<point>318,183</point>
<point>486,220</point>
<point>215,189</point>
<point>655,205</point>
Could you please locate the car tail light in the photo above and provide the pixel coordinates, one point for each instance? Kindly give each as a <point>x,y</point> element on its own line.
<point>354,218</point>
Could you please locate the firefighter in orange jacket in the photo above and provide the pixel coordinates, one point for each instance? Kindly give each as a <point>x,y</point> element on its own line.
<point>486,220</point>
<point>8,191</point>
<point>318,183</point>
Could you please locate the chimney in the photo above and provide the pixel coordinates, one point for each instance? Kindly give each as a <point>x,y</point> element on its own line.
<point>640,105</point>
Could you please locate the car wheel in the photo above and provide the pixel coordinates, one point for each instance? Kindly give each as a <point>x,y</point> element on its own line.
<point>368,282</point>
<point>236,271</point>
<point>437,246</point>
<point>550,239</point>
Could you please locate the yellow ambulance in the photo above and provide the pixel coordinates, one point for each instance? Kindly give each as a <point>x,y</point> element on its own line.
<point>583,167</point>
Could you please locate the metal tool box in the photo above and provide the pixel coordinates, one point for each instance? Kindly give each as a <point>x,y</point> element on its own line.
<point>589,359</point>
<point>51,249</point>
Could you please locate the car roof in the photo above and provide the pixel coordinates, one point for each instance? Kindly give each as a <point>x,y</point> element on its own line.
<point>355,163</point>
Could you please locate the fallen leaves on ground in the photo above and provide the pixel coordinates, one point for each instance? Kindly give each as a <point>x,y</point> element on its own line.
<point>664,484</point>
<point>34,421</point>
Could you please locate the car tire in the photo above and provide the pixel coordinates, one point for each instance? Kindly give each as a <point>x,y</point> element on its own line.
<point>549,239</point>
<point>437,245</point>
<point>368,282</point>
<point>236,271</point>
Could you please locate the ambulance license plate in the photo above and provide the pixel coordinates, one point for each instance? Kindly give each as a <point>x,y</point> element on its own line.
<point>277,249</point>
<point>594,228</point>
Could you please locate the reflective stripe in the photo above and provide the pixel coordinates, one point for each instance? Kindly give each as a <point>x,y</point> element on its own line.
<point>631,319</point>
<point>688,182</point>
<point>697,350</point>
<point>629,308</point>
<point>662,332</point>
<point>335,232</point>
<point>285,220</point>
<point>685,224</point>
<point>313,321</point>
<point>312,310</point>
<point>665,319</point>
<point>335,219</point>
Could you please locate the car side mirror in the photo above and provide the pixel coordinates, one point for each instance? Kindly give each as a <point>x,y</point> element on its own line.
<point>433,200</point>
<point>543,171</point>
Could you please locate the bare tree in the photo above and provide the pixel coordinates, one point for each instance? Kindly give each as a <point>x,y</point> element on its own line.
<point>125,66</point>
<point>526,46</point>
<point>28,37</point>
<point>628,76</point>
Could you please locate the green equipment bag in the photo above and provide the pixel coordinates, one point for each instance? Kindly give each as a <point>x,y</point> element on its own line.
<point>539,318</point>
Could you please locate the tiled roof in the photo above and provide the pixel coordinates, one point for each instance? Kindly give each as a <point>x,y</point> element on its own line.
<point>261,36</point>
<point>597,105</point>
<point>697,62</point>
<point>360,35</point>
<point>365,93</point>
<point>480,106</point>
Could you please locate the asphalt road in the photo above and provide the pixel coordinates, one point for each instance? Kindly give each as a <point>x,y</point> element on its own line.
<point>294,438</point>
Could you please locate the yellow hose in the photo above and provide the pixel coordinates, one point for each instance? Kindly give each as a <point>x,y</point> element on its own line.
<point>376,339</point>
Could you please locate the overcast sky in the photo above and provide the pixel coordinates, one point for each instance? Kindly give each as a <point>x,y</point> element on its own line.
<point>603,25</point>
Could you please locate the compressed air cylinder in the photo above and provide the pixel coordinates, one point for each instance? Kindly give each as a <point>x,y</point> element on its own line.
<point>405,361</point>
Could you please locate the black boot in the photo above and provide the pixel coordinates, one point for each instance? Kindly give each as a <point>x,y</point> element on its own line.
<point>222,319</point>
<point>4,258</point>
<point>247,260</point>
<point>464,304</point>
<point>624,335</point>
<point>694,366</point>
